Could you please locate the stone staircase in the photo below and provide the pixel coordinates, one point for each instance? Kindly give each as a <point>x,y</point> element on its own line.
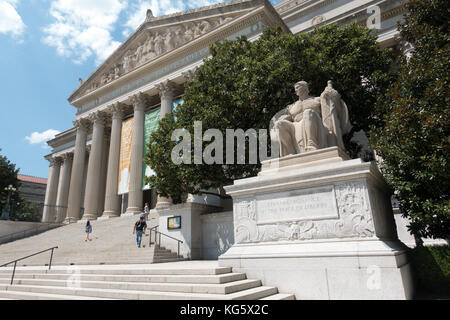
<point>186,280</point>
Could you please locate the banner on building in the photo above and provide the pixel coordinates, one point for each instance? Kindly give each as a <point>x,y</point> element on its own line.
<point>125,155</point>
<point>150,125</point>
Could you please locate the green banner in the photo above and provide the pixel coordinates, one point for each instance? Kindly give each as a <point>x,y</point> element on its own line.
<point>150,125</point>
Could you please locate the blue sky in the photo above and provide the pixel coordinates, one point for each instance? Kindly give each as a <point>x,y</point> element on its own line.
<point>45,46</point>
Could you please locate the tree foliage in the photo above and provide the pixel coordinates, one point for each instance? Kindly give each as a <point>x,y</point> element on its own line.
<point>8,176</point>
<point>245,83</point>
<point>414,136</point>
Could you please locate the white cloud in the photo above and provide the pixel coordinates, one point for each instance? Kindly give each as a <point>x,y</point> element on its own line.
<point>41,137</point>
<point>137,11</point>
<point>10,20</point>
<point>83,28</point>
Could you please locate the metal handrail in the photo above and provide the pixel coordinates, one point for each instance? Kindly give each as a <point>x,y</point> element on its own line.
<point>160,233</point>
<point>150,234</point>
<point>31,255</point>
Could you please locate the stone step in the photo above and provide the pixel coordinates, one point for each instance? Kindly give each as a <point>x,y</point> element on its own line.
<point>18,295</point>
<point>226,288</point>
<point>279,296</point>
<point>204,279</point>
<point>123,270</point>
<point>248,294</point>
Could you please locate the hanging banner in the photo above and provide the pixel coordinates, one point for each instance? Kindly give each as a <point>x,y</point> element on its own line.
<point>125,155</point>
<point>150,125</point>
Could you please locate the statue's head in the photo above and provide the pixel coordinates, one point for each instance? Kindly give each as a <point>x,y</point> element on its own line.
<point>301,88</point>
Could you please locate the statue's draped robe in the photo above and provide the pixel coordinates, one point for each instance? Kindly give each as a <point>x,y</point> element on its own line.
<point>318,125</point>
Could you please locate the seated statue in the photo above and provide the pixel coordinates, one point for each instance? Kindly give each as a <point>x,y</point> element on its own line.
<point>311,123</point>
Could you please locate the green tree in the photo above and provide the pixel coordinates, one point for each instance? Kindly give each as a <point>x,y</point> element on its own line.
<point>8,176</point>
<point>413,137</point>
<point>245,83</point>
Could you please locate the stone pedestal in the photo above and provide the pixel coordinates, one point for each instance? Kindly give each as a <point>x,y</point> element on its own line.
<point>323,231</point>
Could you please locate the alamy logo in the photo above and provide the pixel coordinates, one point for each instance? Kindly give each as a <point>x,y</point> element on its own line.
<point>214,151</point>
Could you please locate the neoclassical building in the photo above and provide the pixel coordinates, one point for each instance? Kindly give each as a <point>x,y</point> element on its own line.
<point>96,168</point>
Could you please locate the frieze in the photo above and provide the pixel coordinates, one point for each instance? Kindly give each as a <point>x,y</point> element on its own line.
<point>156,43</point>
<point>188,59</point>
<point>354,219</point>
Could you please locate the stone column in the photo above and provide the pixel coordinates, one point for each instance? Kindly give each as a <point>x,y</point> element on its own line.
<point>48,215</point>
<point>104,168</point>
<point>166,94</point>
<point>135,195</point>
<point>112,199</point>
<point>76,177</point>
<point>92,197</point>
<point>63,187</point>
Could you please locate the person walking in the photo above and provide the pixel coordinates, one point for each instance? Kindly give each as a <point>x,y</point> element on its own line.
<point>88,230</point>
<point>139,227</point>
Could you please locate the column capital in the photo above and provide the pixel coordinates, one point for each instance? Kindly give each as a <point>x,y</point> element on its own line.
<point>139,101</point>
<point>98,117</point>
<point>117,110</point>
<point>82,124</point>
<point>405,47</point>
<point>67,156</point>
<point>190,74</point>
<point>55,161</point>
<point>165,88</point>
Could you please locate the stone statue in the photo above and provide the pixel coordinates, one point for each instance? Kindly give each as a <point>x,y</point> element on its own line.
<point>311,123</point>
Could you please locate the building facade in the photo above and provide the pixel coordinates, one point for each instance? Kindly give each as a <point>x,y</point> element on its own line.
<point>32,188</point>
<point>96,168</point>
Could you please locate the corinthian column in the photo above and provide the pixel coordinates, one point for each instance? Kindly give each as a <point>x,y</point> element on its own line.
<point>63,187</point>
<point>135,195</point>
<point>92,199</point>
<point>52,190</point>
<point>166,93</point>
<point>112,199</point>
<point>76,177</point>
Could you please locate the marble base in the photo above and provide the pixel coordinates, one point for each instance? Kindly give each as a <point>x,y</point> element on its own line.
<point>303,160</point>
<point>323,231</point>
<point>330,270</point>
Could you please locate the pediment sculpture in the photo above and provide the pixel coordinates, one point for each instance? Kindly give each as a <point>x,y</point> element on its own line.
<point>156,43</point>
<point>311,123</point>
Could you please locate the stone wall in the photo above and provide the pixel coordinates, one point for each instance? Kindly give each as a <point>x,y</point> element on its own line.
<point>217,234</point>
<point>14,230</point>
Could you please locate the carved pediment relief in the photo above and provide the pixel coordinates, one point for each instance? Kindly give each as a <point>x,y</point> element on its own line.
<point>153,43</point>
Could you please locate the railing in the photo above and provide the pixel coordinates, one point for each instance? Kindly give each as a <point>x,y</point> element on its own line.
<point>159,238</point>
<point>32,255</point>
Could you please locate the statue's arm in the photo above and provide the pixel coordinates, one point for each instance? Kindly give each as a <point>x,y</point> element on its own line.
<point>281,115</point>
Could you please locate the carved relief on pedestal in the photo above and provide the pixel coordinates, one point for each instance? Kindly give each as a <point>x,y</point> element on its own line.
<point>246,229</point>
<point>155,43</point>
<point>354,220</point>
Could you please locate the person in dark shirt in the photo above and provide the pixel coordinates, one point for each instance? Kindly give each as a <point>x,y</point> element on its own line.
<point>139,227</point>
